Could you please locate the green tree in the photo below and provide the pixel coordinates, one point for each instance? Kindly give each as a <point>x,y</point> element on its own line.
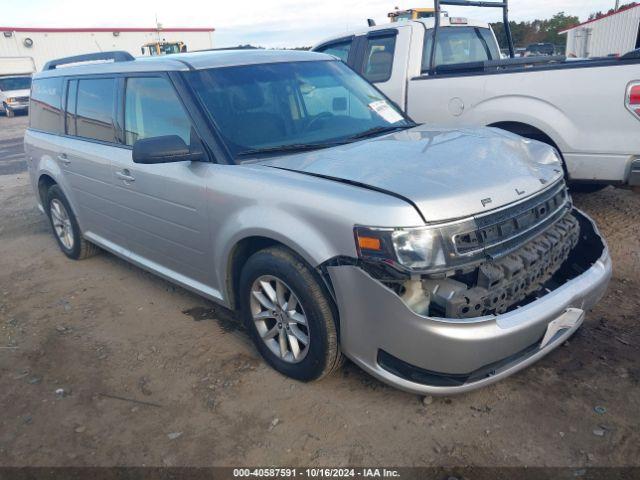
<point>536,31</point>
<point>596,15</point>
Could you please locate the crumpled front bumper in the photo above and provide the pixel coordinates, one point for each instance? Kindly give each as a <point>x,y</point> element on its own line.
<point>425,355</point>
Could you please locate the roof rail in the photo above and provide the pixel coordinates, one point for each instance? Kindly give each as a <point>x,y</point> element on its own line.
<point>116,56</point>
<point>503,4</point>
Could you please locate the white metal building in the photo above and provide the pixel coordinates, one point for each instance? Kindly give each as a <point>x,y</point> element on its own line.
<point>44,44</point>
<point>613,34</point>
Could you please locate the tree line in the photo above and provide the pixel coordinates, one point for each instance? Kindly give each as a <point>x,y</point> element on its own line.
<point>545,31</point>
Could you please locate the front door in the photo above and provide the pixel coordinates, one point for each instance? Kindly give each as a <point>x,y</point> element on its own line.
<point>162,207</point>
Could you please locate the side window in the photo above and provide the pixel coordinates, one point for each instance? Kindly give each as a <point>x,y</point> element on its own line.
<point>460,45</point>
<point>46,105</point>
<point>379,58</point>
<point>152,109</point>
<point>72,100</point>
<point>94,117</point>
<point>338,49</point>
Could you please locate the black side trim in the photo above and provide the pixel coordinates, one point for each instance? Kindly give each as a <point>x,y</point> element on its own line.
<point>415,374</point>
<point>385,32</point>
<point>356,184</point>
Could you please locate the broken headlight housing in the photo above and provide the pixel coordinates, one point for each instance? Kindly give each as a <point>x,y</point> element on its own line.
<point>417,249</point>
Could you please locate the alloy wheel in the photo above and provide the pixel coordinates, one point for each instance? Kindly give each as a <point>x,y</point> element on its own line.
<point>279,318</point>
<point>61,223</point>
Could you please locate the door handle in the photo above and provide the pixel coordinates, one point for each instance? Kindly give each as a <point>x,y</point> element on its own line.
<point>64,159</point>
<point>125,175</point>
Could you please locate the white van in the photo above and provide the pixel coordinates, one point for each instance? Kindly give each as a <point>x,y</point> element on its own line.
<point>15,83</point>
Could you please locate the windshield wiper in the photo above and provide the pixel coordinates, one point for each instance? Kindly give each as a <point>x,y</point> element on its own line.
<point>380,130</point>
<point>295,147</point>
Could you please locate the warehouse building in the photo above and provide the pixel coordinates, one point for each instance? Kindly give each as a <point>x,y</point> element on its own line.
<point>613,34</point>
<point>44,44</point>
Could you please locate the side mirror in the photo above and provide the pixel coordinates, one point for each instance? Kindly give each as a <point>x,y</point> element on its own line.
<point>164,149</point>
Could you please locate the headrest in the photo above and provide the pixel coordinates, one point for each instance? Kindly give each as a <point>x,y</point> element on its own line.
<point>247,97</point>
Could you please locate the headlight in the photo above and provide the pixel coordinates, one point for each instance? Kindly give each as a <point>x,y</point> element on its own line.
<point>419,248</point>
<point>11,100</point>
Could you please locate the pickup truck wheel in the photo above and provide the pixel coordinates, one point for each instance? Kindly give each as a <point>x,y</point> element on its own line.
<point>288,314</point>
<point>65,226</point>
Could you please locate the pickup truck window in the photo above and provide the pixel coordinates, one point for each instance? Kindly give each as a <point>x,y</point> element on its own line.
<point>263,107</point>
<point>338,49</point>
<point>379,58</point>
<point>152,109</point>
<point>460,45</point>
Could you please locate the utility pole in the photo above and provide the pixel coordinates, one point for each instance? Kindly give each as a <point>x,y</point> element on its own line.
<point>617,6</point>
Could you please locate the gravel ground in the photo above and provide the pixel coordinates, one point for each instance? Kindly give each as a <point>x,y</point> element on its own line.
<point>104,364</point>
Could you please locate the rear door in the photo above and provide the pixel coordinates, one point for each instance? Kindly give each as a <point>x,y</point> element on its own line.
<point>162,207</point>
<point>86,149</point>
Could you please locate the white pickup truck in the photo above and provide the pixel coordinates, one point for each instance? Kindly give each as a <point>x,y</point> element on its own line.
<point>588,109</point>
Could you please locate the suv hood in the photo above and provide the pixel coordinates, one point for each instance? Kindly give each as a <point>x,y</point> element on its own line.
<point>446,174</point>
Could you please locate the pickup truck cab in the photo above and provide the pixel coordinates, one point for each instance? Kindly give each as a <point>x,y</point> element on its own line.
<point>283,185</point>
<point>589,110</point>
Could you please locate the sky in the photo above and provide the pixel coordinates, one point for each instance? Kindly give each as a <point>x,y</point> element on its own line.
<point>267,23</point>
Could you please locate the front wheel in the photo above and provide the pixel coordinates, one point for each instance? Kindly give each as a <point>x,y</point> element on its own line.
<point>288,313</point>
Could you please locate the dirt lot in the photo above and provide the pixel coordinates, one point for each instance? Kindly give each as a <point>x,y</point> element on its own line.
<point>154,375</point>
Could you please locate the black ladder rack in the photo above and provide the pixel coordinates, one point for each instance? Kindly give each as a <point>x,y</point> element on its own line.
<point>504,5</point>
<point>116,56</point>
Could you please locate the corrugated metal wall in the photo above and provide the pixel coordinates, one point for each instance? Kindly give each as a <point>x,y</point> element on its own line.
<point>50,45</point>
<point>613,35</point>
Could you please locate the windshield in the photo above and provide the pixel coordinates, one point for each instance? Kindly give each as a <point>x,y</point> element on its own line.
<point>15,83</point>
<point>292,106</point>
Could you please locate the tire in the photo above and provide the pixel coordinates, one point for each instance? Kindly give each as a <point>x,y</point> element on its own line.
<point>322,355</point>
<point>77,248</point>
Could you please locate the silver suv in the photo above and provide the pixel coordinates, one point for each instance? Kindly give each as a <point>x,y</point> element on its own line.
<point>285,186</point>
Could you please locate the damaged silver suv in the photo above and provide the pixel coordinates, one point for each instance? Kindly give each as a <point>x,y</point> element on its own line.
<point>285,186</point>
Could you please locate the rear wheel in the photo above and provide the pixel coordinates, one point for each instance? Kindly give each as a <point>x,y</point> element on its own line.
<point>288,313</point>
<point>65,226</point>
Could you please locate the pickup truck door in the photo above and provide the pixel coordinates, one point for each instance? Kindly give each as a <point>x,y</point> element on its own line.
<point>448,99</point>
<point>381,57</point>
<point>163,206</point>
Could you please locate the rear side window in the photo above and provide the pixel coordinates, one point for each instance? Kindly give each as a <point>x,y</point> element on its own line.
<point>338,49</point>
<point>379,58</point>
<point>46,105</point>
<point>94,110</point>
<point>152,109</point>
<point>460,45</point>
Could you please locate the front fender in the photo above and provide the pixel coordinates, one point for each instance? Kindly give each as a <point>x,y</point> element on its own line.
<point>315,245</point>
